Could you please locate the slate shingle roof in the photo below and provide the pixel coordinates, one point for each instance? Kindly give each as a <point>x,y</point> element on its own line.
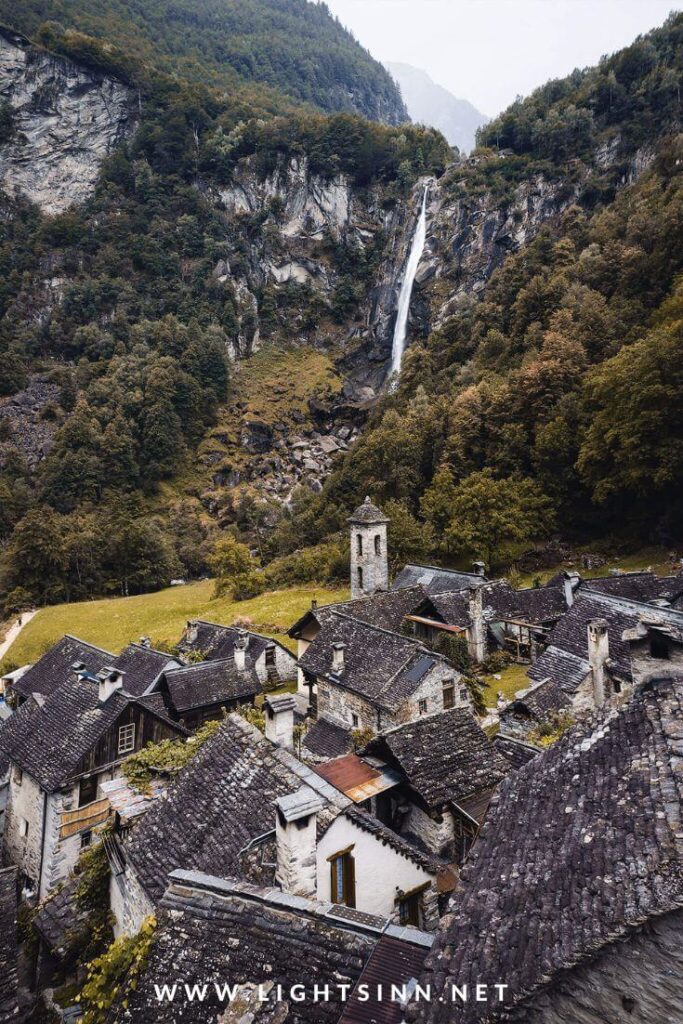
<point>367,514</point>
<point>541,700</point>
<point>142,666</point>
<point>49,737</point>
<point>581,846</point>
<point>515,751</point>
<point>565,659</point>
<point>327,740</point>
<point>8,946</point>
<point>384,667</point>
<point>217,643</point>
<point>59,918</point>
<point>436,580</point>
<point>210,682</point>
<point>369,823</point>
<point>384,609</point>
<point>223,798</point>
<point>234,932</point>
<point>638,586</point>
<point>500,601</point>
<point>54,667</point>
<point>446,758</point>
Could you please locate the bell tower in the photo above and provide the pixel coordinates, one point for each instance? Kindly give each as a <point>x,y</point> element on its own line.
<point>369,556</point>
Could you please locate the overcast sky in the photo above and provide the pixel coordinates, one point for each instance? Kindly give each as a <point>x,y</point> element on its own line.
<point>489,51</point>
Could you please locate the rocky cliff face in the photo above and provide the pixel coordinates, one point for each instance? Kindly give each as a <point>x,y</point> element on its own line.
<point>65,118</point>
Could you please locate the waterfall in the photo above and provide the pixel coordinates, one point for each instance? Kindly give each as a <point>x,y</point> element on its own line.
<point>416,249</point>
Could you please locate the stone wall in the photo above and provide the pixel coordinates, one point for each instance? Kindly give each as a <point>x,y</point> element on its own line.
<point>130,904</point>
<point>26,803</point>
<point>285,665</point>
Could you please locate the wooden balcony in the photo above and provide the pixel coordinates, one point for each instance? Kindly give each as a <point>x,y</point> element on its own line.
<point>84,818</point>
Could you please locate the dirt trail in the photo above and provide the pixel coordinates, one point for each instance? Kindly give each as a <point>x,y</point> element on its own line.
<point>13,632</point>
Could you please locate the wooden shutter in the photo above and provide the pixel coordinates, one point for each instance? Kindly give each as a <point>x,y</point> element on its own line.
<point>350,880</point>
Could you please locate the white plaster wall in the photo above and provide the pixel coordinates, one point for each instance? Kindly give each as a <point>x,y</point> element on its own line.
<point>302,646</point>
<point>380,870</point>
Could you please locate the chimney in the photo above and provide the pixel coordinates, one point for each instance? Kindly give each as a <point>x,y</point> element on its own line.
<point>338,657</point>
<point>479,568</point>
<point>571,582</point>
<point>191,631</point>
<point>280,720</point>
<point>598,655</point>
<point>477,629</point>
<point>145,641</point>
<point>110,680</point>
<point>314,604</point>
<point>295,832</point>
<point>241,644</point>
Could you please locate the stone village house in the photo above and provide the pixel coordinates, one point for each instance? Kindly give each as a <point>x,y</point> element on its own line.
<point>246,808</point>
<point>60,749</point>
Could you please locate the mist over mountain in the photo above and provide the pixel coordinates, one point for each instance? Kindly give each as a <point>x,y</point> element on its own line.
<point>429,103</point>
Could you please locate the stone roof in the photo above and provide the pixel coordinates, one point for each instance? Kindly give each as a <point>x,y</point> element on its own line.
<point>210,682</point>
<point>436,580</point>
<point>217,643</point>
<point>580,847</point>
<point>9,1006</point>
<point>517,752</point>
<point>142,666</point>
<point>55,666</point>
<point>643,585</point>
<point>565,659</point>
<point>232,932</point>
<point>59,918</point>
<point>501,601</point>
<point>400,844</point>
<point>385,609</point>
<point>221,801</point>
<point>446,757</point>
<point>540,701</point>
<point>326,740</point>
<point>48,737</point>
<point>384,667</point>
<point>367,514</point>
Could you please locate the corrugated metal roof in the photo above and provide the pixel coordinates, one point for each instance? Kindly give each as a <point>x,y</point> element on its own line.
<point>357,779</point>
<point>392,962</point>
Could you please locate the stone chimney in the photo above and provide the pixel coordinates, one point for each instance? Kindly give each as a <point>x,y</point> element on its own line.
<point>477,631</point>
<point>295,831</point>
<point>571,582</point>
<point>145,641</point>
<point>338,650</point>
<point>241,644</point>
<point>191,631</point>
<point>598,655</point>
<point>110,680</point>
<point>314,604</point>
<point>279,714</point>
<point>479,568</point>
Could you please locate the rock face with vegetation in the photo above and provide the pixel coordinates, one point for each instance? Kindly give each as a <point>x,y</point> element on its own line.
<point>59,121</point>
<point>198,337</point>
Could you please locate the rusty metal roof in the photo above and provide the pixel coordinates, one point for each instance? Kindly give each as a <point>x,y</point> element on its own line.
<point>392,962</point>
<point>358,779</point>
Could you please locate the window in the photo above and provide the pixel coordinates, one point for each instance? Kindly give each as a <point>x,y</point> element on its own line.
<point>18,775</point>
<point>343,878</point>
<point>359,543</point>
<point>448,694</point>
<point>87,791</point>
<point>86,839</point>
<point>270,656</point>
<point>360,577</point>
<point>464,693</point>
<point>378,544</point>
<point>422,707</point>
<point>354,721</point>
<point>23,827</point>
<point>659,648</point>
<point>617,686</point>
<point>127,738</point>
<point>409,910</point>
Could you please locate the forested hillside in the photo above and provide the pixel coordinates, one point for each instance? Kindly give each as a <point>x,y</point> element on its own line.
<point>294,48</point>
<point>188,350</point>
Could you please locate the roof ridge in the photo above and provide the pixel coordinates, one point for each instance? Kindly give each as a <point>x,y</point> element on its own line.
<point>617,599</point>
<point>440,568</point>
<point>86,643</point>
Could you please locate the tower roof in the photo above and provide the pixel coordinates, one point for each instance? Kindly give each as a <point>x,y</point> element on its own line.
<point>367,514</point>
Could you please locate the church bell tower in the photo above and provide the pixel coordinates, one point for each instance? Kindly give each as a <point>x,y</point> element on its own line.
<point>369,557</point>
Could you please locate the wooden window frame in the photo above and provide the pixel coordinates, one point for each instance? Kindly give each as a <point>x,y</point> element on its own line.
<point>347,897</point>
<point>422,706</point>
<point>448,690</point>
<point>125,746</point>
<point>83,784</point>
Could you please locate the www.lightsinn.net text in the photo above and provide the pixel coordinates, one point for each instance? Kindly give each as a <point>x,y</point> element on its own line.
<point>223,992</point>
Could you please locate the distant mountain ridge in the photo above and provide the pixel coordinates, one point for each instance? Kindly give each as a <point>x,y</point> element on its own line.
<point>431,104</point>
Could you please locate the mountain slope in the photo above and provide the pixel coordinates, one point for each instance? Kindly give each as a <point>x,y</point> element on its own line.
<point>293,47</point>
<point>429,103</point>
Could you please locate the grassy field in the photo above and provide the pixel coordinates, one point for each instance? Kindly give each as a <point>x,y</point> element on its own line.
<point>113,623</point>
<point>512,678</point>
